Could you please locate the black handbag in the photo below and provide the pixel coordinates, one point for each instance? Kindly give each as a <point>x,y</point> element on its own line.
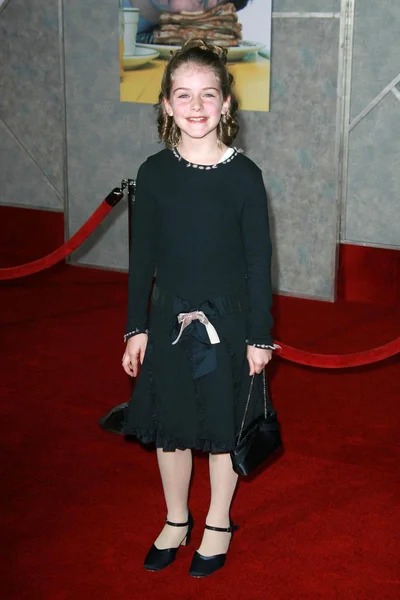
<point>259,440</point>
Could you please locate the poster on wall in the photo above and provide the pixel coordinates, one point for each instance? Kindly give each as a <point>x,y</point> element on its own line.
<point>150,30</point>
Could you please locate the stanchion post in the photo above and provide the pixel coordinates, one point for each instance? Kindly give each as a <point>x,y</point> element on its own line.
<point>131,186</point>
<point>113,420</point>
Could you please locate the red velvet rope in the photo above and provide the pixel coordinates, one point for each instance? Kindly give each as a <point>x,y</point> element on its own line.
<point>311,359</point>
<point>73,243</point>
<point>339,361</point>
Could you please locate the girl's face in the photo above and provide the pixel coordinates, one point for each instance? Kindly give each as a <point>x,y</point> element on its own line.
<point>196,101</point>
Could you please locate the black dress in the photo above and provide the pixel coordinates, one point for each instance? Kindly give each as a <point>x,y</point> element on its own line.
<point>205,230</point>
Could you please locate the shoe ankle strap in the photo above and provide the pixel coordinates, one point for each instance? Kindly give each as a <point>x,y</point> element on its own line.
<point>229,529</point>
<point>177,524</point>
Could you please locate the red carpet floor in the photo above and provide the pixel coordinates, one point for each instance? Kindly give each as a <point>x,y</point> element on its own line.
<point>80,507</point>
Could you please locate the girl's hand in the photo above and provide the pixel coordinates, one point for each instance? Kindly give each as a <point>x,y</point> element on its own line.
<point>134,352</point>
<point>258,358</point>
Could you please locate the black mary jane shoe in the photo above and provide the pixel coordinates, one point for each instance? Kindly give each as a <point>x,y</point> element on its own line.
<point>157,559</point>
<point>202,566</point>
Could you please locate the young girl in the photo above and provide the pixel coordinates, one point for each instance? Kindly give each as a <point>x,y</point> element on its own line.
<point>201,220</point>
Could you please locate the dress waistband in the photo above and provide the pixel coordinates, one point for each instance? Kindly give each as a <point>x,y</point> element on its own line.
<point>220,305</point>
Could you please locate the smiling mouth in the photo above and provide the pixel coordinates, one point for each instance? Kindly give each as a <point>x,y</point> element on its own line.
<point>197,119</point>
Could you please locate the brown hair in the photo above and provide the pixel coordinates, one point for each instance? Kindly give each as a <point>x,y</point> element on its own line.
<point>203,54</point>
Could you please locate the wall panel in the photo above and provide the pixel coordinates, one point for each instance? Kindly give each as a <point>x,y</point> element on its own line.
<point>373,197</point>
<point>31,94</point>
<point>23,183</point>
<point>376,50</point>
<point>295,146</point>
<point>107,141</point>
<point>91,50</point>
<point>370,213</point>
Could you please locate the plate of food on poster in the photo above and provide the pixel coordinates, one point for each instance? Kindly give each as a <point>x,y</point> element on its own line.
<point>219,26</point>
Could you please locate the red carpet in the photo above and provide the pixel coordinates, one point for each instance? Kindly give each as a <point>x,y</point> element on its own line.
<point>79,507</point>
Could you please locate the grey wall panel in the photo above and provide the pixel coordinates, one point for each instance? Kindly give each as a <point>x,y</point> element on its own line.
<point>376,51</point>
<point>91,50</point>
<point>372,198</point>
<point>31,96</point>
<point>306,5</point>
<point>107,141</point>
<point>22,181</point>
<point>294,144</point>
<point>373,201</point>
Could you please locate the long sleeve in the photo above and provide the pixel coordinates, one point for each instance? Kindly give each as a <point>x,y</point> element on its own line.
<point>143,253</point>
<point>257,245</point>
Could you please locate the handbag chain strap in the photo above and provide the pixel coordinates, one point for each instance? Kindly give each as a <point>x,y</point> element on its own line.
<point>248,402</point>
